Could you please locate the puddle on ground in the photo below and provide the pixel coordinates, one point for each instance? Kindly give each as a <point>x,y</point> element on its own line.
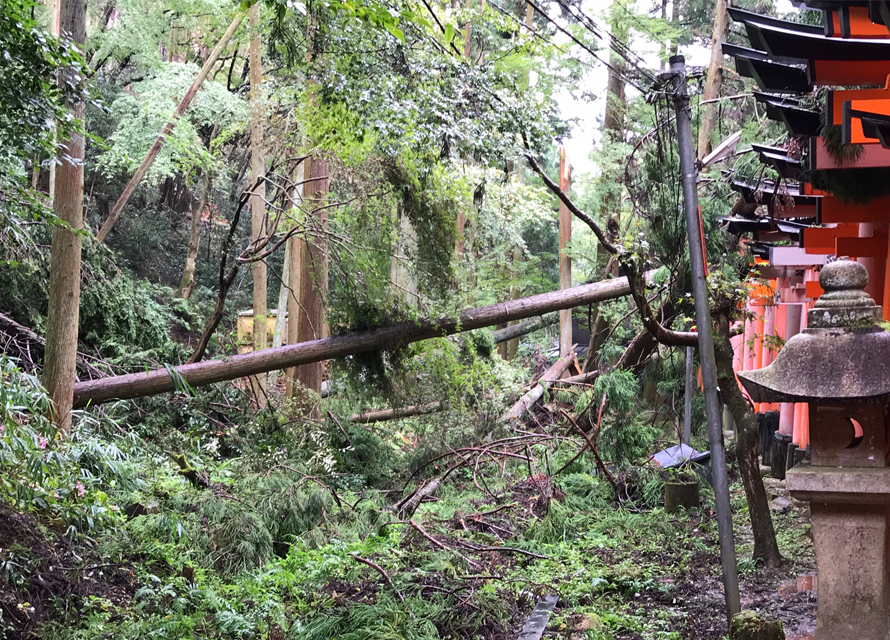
<point>803,583</point>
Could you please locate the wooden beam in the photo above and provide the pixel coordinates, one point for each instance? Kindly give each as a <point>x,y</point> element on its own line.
<point>872,247</point>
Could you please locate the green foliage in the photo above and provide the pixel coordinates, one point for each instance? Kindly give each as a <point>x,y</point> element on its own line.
<point>40,472</point>
<point>142,112</point>
<point>30,91</point>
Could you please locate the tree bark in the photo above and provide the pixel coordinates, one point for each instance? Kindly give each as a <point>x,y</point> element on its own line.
<point>513,332</point>
<point>294,276</point>
<point>60,359</point>
<point>713,82</point>
<point>187,285</point>
<point>598,333</point>
<point>198,374</point>
<point>554,373</point>
<point>165,131</point>
<point>314,277</point>
<point>278,334</point>
<point>313,254</point>
<point>381,415</point>
<point>565,260</point>
<point>515,292</point>
<point>616,102</point>
<point>258,383</point>
<point>765,545</point>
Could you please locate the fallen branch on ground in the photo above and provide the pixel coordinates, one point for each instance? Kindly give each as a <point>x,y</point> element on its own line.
<point>551,375</point>
<point>379,570</point>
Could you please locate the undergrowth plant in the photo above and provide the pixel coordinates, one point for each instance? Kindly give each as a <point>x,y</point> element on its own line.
<point>39,471</point>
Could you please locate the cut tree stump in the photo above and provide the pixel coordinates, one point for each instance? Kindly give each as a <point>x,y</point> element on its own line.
<point>680,494</point>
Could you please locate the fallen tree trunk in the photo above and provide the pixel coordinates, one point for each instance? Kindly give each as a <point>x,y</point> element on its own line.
<point>552,374</point>
<point>381,415</point>
<point>147,383</point>
<point>523,328</point>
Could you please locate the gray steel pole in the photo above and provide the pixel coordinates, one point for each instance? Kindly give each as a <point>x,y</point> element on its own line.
<point>705,337</point>
<point>687,400</point>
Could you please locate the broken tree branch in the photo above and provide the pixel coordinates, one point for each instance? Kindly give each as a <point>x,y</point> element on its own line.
<point>376,567</point>
<point>381,415</point>
<point>551,375</point>
<point>524,328</point>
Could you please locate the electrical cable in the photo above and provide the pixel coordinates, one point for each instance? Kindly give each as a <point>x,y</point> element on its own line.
<point>585,47</point>
<point>616,44</point>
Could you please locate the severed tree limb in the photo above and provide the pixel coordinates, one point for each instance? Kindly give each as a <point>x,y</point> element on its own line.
<point>381,415</point>
<point>551,375</point>
<point>523,328</point>
<point>407,506</point>
<point>592,443</point>
<point>444,547</point>
<point>30,346</point>
<point>376,567</point>
<point>523,552</point>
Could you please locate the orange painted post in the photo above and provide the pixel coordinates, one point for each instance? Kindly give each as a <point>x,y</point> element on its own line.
<point>769,330</point>
<point>885,311</point>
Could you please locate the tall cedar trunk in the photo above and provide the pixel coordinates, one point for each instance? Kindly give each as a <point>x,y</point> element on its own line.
<point>616,102</point>
<point>313,253</point>
<point>765,545</point>
<point>187,285</point>
<point>60,358</point>
<point>461,224</point>
<point>613,121</point>
<point>55,15</point>
<point>295,256</point>
<point>599,330</point>
<point>314,274</point>
<point>279,336</point>
<point>713,82</point>
<point>258,200</point>
<point>515,292</point>
<point>565,260</point>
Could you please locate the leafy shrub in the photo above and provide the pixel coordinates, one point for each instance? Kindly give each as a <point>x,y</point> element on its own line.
<point>38,471</point>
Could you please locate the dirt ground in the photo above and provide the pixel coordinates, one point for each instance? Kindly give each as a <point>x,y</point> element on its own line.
<point>42,572</point>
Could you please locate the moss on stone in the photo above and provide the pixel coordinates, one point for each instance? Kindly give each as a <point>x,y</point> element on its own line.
<point>749,625</point>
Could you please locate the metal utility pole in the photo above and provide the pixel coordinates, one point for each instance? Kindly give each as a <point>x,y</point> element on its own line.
<point>705,336</point>
<point>687,400</point>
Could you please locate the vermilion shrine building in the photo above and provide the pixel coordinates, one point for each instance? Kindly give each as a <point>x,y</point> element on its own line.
<point>830,87</point>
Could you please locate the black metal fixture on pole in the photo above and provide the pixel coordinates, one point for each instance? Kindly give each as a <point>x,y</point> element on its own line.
<point>705,336</point>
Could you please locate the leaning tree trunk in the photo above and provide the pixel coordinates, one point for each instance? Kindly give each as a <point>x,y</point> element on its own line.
<point>191,254</point>
<point>713,82</point>
<point>60,360</point>
<point>196,374</point>
<point>149,159</point>
<point>765,545</point>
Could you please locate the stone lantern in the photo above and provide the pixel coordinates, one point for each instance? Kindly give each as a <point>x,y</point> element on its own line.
<point>840,365</point>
